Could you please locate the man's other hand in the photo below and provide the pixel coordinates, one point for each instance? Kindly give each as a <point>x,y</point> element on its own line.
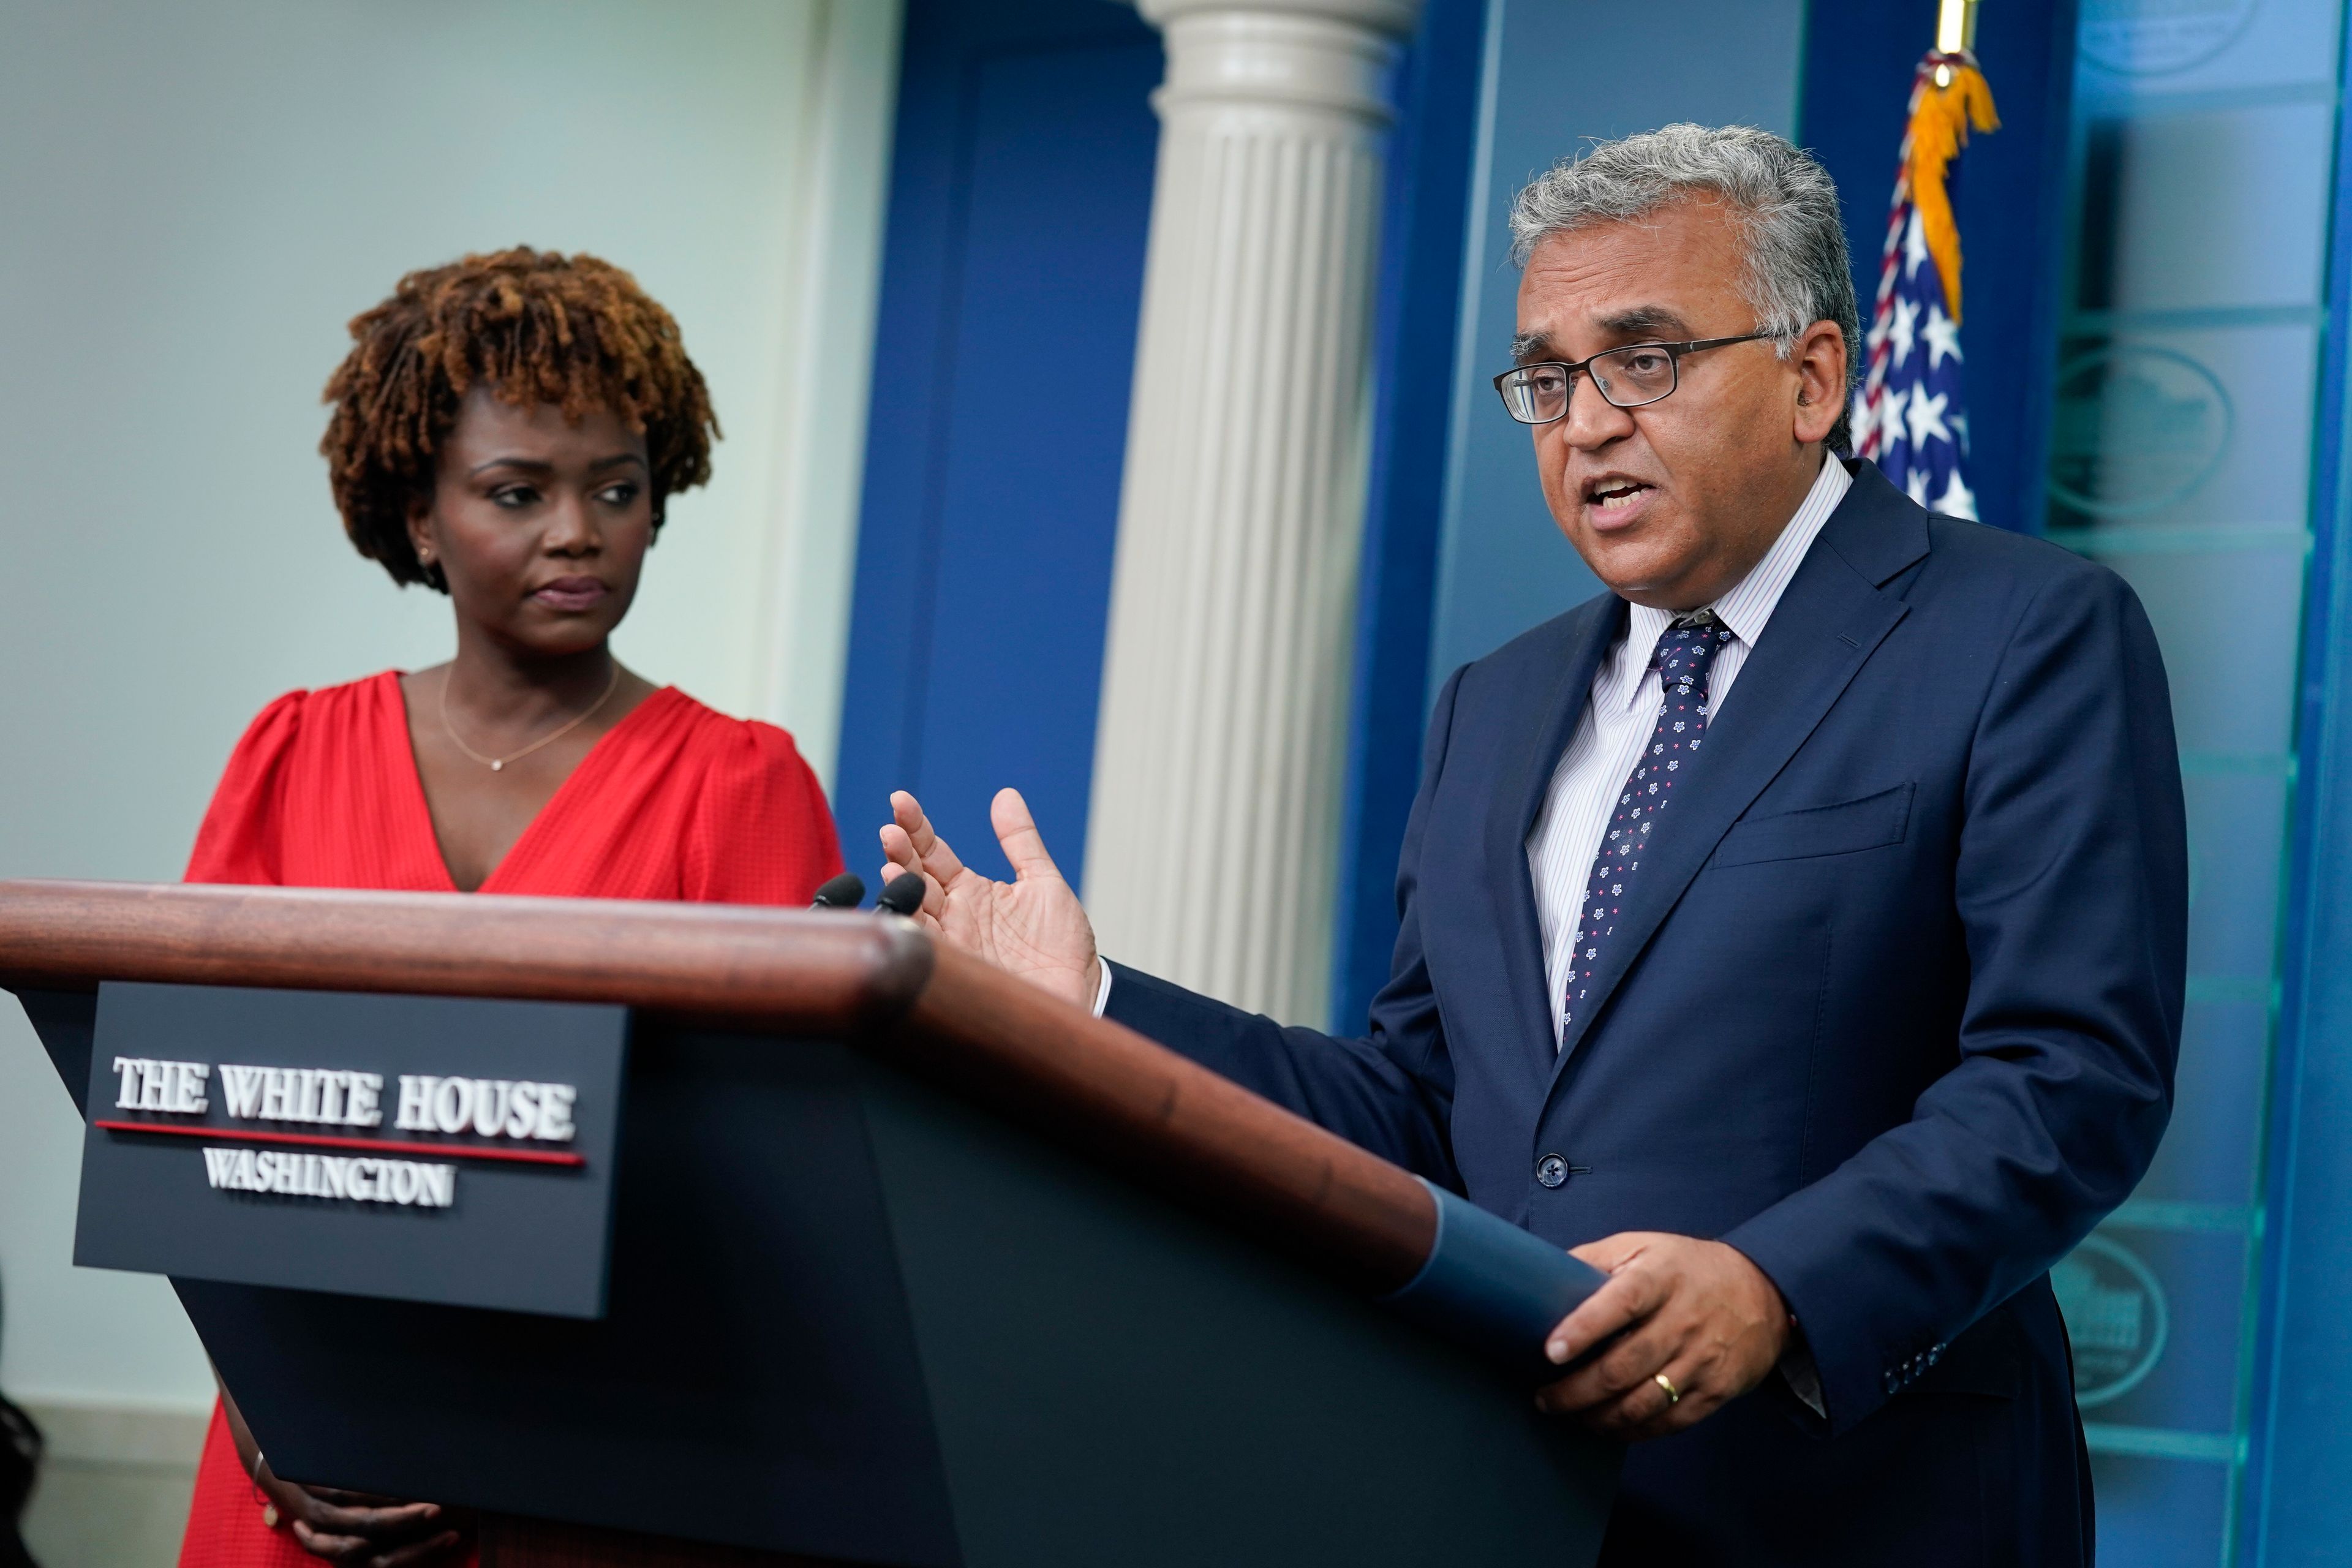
<point>1031,926</point>
<point>1698,1311</point>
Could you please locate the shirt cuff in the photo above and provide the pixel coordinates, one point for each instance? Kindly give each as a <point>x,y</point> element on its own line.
<point>1797,1368</point>
<point>1102,1000</point>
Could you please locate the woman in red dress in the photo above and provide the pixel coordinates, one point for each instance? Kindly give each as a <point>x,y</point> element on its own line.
<point>506,430</point>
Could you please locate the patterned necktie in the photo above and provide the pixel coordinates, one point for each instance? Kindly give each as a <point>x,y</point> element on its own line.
<point>1683,658</point>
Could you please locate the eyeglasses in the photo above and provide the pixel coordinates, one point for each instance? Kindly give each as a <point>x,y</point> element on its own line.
<point>1628,377</point>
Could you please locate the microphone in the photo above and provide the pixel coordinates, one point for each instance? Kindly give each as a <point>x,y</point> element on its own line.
<point>904,896</point>
<point>846,891</point>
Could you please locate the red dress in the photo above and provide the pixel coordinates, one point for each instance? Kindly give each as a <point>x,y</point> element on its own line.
<point>674,802</point>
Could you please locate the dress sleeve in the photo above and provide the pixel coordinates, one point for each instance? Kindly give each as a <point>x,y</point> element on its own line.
<point>763,833</point>
<point>239,839</point>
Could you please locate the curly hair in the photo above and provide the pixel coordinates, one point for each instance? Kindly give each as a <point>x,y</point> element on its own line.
<point>536,327</point>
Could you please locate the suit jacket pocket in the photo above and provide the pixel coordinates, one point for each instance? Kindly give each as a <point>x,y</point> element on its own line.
<point>1873,821</point>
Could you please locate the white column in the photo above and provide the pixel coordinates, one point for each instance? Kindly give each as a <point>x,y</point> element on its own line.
<point>1213,842</point>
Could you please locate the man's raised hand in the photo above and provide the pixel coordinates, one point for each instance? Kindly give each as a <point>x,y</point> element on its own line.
<point>1031,926</point>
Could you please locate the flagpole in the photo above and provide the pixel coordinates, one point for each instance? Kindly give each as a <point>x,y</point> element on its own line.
<point>1955,33</point>
<point>1955,26</point>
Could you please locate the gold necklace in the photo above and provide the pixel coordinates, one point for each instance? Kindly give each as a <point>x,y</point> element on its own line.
<point>498,764</point>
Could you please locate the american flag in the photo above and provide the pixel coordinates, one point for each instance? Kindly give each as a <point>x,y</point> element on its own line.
<point>1909,417</point>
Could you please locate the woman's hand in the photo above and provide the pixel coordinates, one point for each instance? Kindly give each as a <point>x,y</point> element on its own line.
<point>1031,926</point>
<point>339,1526</point>
<point>361,1530</point>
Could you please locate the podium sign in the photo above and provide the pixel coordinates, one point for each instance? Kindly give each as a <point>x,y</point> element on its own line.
<point>435,1149</point>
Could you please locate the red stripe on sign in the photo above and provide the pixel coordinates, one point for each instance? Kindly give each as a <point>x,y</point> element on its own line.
<point>373,1146</point>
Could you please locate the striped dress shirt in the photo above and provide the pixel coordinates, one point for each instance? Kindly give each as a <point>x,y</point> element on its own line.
<point>1618,719</point>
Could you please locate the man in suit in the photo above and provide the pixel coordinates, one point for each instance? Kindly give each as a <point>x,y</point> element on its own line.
<point>1795,931</point>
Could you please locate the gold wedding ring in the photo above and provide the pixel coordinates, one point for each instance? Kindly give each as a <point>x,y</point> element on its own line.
<point>1673,1394</point>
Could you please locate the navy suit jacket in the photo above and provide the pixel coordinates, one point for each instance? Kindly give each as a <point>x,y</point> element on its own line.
<point>1897,1017</point>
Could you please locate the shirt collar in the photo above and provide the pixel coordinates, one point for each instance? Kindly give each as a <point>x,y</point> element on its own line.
<point>1643,628</point>
<point>1749,603</point>
<point>1752,601</point>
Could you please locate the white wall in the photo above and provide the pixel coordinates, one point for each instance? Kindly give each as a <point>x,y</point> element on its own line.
<point>193,199</point>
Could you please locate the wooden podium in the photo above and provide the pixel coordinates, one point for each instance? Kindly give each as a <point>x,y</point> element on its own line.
<point>908,1264</point>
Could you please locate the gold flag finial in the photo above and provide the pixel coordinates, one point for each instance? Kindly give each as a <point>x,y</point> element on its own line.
<point>1948,102</point>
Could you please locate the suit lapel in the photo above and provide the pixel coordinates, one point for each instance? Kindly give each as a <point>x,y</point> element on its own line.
<point>1826,625</point>
<point>1517,799</point>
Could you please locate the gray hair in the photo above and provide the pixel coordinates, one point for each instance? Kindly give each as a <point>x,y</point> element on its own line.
<point>1797,268</point>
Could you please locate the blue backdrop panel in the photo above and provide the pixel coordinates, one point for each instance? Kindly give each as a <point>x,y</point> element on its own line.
<point>1558,73</point>
<point>2010,197</point>
<point>1021,191</point>
<point>2181,444</point>
<point>1420,313</point>
<point>2300,1441</point>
